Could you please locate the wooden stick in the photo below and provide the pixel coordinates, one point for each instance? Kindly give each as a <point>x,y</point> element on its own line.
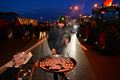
<point>34,46</point>
<point>7,65</point>
<point>11,63</point>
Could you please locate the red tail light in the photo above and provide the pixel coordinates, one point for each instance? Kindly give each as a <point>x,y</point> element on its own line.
<point>108,2</point>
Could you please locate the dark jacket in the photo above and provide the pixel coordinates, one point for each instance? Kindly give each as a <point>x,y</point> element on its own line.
<point>56,37</point>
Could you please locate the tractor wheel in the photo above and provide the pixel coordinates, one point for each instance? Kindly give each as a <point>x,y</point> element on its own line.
<point>102,40</point>
<point>107,39</point>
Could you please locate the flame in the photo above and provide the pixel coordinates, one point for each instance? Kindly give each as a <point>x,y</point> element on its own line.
<point>108,2</point>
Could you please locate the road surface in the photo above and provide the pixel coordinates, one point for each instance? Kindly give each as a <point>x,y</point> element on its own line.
<point>91,64</point>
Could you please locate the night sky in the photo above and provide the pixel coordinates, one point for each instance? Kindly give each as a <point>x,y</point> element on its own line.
<point>48,9</point>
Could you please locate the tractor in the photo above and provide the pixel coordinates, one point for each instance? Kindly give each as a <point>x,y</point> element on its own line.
<point>104,28</point>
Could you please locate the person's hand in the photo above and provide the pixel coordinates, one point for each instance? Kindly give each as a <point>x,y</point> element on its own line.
<point>21,58</point>
<point>7,65</point>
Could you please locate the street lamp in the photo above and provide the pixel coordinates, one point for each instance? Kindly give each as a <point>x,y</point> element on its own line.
<point>71,7</point>
<point>95,5</point>
<point>74,9</point>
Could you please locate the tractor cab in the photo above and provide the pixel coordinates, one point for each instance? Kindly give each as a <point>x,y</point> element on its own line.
<point>107,26</point>
<point>106,13</point>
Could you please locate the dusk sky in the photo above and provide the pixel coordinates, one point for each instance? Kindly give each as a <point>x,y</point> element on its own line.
<point>47,8</point>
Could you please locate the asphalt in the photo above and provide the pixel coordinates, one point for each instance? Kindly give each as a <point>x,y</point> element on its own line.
<point>91,65</point>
